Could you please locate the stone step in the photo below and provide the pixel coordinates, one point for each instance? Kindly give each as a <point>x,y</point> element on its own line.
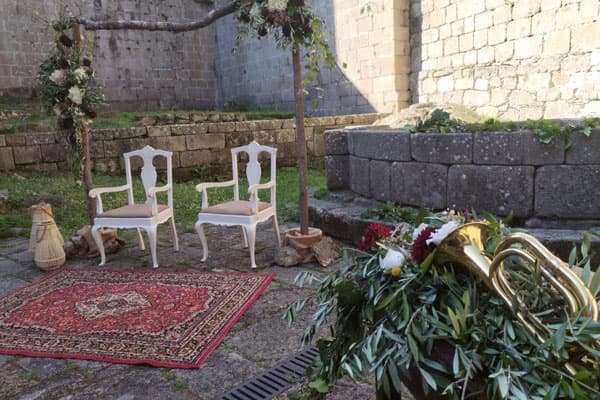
<point>339,216</point>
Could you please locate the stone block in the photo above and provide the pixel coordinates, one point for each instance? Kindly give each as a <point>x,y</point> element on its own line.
<point>102,134</point>
<point>446,148</point>
<point>586,37</point>
<point>568,191</point>
<point>171,143</point>
<point>96,149</point>
<point>154,131</point>
<point>286,135</point>
<point>116,148</point>
<point>359,176</point>
<point>7,162</point>
<point>16,139</point>
<point>516,148</point>
<point>366,119</point>
<point>584,150</point>
<point>194,158</point>
<point>379,179</point>
<point>107,165</point>
<point>336,142</point>
<point>269,124</point>
<point>221,127</point>
<point>126,133</point>
<point>336,169</point>
<point>189,129</point>
<point>419,184</point>
<point>341,120</point>
<point>238,139</point>
<point>27,154</point>
<point>319,146</point>
<point>499,190</point>
<point>380,145</point>
<point>2,140</point>
<point>54,152</point>
<point>39,138</point>
<point>245,126</point>
<point>205,141</point>
<point>265,137</point>
<point>40,167</point>
<point>289,124</point>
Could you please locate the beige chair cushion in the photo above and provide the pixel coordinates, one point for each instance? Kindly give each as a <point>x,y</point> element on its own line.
<point>132,211</point>
<point>239,207</point>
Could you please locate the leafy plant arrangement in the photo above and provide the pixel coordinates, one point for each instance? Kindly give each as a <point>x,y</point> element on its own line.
<point>547,130</point>
<point>439,121</point>
<point>409,319</point>
<point>65,84</point>
<point>393,213</point>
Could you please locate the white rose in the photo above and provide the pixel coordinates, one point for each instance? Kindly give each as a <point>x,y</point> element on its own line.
<point>57,110</point>
<point>58,77</point>
<point>441,234</point>
<point>80,74</point>
<point>393,258</point>
<point>76,95</point>
<point>277,5</point>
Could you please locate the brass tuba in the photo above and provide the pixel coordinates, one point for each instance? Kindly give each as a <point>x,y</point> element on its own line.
<point>466,246</point>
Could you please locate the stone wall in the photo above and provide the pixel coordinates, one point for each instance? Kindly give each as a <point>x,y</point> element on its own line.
<point>370,39</point>
<point>135,70</point>
<point>205,144</point>
<point>510,59</point>
<point>499,172</point>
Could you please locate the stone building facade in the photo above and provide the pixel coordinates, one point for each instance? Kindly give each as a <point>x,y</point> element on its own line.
<point>514,59</point>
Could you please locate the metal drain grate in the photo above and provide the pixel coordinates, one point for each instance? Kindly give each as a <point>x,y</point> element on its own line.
<point>275,380</point>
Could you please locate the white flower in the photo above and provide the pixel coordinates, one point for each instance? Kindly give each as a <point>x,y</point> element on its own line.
<point>57,110</point>
<point>439,235</point>
<point>418,230</point>
<point>58,77</point>
<point>80,74</point>
<point>76,95</point>
<point>393,258</point>
<point>277,5</point>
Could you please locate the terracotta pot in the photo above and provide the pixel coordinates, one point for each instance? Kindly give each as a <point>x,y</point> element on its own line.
<point>302,243</point>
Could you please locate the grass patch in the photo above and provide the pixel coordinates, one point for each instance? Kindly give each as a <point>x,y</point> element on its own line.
<point>68,198</point>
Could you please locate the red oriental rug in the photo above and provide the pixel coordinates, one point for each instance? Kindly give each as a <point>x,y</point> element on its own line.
<point>166,319</point>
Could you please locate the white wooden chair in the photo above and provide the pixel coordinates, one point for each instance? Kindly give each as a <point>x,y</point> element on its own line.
<point>140,216</point>
<point>241,212</point>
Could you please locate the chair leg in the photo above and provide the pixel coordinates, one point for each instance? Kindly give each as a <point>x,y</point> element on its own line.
<point>152,243</point>
<point>200,231</point>
<point>276,228</point>
<point>251,232</point>
<point>141,239</point>
<point>245,237</point>
<point>174,233</point>
<point>98,239</point>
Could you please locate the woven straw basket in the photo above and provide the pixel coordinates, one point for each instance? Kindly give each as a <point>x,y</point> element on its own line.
<point>46,242</point>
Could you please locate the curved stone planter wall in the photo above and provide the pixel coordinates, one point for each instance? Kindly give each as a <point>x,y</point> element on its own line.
<point>499,172</point>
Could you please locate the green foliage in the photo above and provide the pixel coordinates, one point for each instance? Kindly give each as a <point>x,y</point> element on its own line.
<point>68,202</point>
<point>443,328</point>
<point>439,121</point>
<point>391,212</point>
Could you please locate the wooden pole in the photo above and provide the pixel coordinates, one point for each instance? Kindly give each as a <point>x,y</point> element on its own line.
<point>85,138</point>
<point>300,140</point>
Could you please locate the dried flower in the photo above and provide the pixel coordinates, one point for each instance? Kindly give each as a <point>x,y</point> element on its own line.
<point>441,234</point>
<point>277,5</point>
<point>65,40</point>
<point>373,233</point>
<point>76,95</point>
<point>58,76</point>
<point>420,248</point>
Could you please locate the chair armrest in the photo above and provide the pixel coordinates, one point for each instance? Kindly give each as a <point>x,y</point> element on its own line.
<point>254,188</point>
<point>98,191</point>
<point>203,186</point>
<point>208,185</point>
<point>154,190</point>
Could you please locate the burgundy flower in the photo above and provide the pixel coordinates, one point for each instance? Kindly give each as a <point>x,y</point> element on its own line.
<point>262,31</point>
<point>64,63</point>
<point>307,28</point>
<point>91,113</point>
<point>372,234</point>
<point>299,3</point>
<point>66,123</point>
<point>420,249</point>
<point>286,30</point>
<point>86,62</point>
<point>65,40</point>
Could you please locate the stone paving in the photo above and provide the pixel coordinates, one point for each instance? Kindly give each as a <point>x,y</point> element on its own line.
<point>260,339</point>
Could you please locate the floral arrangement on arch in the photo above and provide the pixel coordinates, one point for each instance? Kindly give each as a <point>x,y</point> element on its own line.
<point>65,84</point>
<point>400,315</point>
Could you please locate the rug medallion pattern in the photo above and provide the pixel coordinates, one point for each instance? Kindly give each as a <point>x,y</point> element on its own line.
<point>171,319</point>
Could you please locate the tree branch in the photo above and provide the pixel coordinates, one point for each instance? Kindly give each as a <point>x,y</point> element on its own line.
<point>211,17</point>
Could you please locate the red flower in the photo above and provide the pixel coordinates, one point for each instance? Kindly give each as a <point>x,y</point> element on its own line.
<point>420,249</point>
<point>65,40</point>
<point>373,233</point>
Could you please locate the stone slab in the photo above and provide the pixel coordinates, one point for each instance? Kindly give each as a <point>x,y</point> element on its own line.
<point>379,144</point>
<point>379,172</point>
<point>584,150</point>
<point>43,367</point>
<point>443,148</point>
<point>499,190</point>
<point>40,138</point>
<point>516,148</point>
<point>419,184</point>
<point>205,141</point>
<point>55,152</point>
<point>568,191</point>
<point>2,140</point>
<point>337,171</point>
<point>7,162</point>
<point>27,154</point>
<point>359,176</point>
<point>336,142</point>
<point>171,143</point>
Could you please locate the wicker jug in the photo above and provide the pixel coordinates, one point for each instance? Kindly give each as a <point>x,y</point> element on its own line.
<point>46,242</point>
